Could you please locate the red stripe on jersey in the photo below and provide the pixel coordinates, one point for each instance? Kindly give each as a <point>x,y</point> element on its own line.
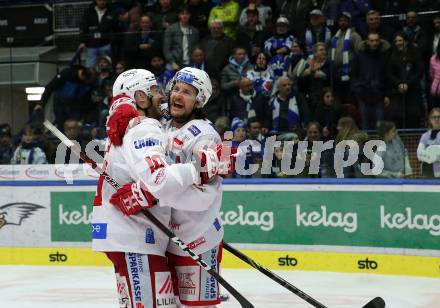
<point>178,141</point>
<point>97,201</point>
<point>165,286</point>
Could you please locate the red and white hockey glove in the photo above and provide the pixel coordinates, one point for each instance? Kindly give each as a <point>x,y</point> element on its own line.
<point>228,158</point>
<point>206,163</point>
<point>131,199</point>
<point>122,110</point>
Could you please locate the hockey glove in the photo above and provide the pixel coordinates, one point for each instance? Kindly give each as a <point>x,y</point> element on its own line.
<point>131,199</point>
<point>206,163</point>
<point>122,110</point>
<point>228,158</point>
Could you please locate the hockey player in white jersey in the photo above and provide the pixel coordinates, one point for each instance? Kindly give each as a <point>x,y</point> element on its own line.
<point>135,245</point>
<point>195,220</point>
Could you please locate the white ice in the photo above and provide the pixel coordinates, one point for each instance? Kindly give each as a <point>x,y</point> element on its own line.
<point>68,287</point>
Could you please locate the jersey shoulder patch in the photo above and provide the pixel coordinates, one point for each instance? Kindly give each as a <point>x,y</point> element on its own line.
<point>194,130</point>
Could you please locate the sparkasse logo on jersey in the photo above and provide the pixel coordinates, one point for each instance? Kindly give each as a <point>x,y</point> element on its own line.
<point>211,291</point>
<point>135,264</point>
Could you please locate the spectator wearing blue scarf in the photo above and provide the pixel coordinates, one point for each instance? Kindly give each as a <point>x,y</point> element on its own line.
<point>261,75</point>
<point>279,46</point>
<point>285,107</point>
<point>28,152</point>
<point>342,50</point>
<point>316,32</point>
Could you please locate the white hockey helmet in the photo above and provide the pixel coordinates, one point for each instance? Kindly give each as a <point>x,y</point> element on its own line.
<point>198,79</point>
<point>134,80</point>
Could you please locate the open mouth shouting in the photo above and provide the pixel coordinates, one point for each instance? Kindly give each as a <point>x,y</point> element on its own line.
<point>177,106</point>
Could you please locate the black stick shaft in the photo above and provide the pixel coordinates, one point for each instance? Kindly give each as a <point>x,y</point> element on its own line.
<point>377,302</point>
<point>273,276</point>
<point>77,151</point>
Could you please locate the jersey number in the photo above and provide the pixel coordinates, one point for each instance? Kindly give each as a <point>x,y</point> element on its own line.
<point>154,162</point>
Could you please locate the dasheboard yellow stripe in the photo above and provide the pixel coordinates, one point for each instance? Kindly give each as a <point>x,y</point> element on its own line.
<point>340,262</point>
<point>282,260</point>
<point>52,256</point>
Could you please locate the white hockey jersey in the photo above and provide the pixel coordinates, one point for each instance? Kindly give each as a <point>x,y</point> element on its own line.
<point>195,213</point>
<point>142,151</point>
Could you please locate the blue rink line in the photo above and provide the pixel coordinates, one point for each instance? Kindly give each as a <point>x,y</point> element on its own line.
<point>332,181</point>
<point>252,181</point>
<point>50,183</point>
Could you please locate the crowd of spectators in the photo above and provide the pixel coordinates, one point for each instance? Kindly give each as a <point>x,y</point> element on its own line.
<point>297,70</point>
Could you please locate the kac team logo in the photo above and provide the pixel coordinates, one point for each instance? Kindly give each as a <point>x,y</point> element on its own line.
<point>15,213</point>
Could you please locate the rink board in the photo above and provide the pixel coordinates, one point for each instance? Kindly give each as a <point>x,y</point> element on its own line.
<point>280,260</point>
<point>389,227</point>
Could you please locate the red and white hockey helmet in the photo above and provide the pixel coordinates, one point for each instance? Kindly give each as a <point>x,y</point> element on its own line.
<point>134,80</point>
<point>198,79</point>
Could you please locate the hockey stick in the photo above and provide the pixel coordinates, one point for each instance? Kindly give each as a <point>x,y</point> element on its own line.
<point>377,302</point>
<point>77,151</point>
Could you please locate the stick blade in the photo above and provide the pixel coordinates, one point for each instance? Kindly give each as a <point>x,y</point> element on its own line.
<point>376,302</point>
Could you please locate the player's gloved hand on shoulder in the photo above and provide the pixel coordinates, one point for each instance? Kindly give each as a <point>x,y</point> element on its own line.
<point>132,199</point>
<point>122,110</point>
<point>228,158</point>
<point>206,163</point>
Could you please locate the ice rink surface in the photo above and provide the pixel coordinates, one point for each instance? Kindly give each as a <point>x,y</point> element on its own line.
<point>63,287</point>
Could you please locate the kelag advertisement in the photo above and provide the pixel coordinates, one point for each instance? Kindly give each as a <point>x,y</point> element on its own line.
<point>60,216</point>
<point>45,215</point>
